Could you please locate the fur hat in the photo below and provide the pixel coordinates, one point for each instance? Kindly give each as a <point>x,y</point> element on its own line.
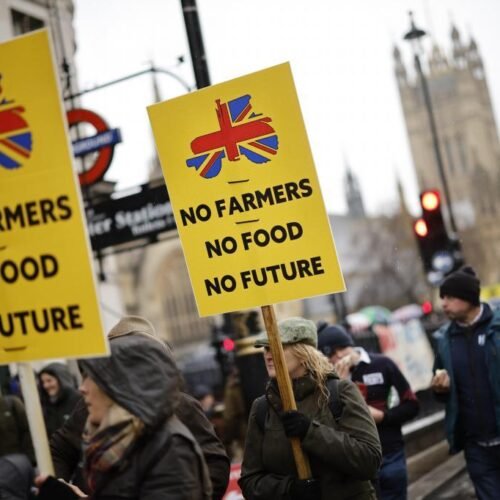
<point>462,284</point>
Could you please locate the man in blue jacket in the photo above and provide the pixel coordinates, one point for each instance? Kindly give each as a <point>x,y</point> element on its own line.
<point>467,378</point>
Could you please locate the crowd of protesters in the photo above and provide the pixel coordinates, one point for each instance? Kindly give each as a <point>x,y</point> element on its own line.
<point>130,431</point>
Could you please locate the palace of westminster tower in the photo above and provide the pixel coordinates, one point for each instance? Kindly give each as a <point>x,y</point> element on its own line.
<point>469,144</point>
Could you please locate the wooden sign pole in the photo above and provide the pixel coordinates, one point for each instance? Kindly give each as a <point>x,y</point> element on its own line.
<point>35,419</point>
<point>284,386</point>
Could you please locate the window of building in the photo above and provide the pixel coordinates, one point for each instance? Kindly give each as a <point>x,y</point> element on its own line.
<point>23,23</point>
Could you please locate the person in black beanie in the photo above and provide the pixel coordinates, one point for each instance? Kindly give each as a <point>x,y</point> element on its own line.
<point>467,378</point>
<point>462,284</point>
<point>379,379</point>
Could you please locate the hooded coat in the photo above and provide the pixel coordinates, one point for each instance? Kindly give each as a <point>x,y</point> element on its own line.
<point>344,455</point>
<point>56,411</point>
<point>166,461</point>
<point>65,444</point>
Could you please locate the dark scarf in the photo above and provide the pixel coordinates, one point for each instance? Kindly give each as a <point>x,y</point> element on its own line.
<point>302,387</point>
<point>105,445</point>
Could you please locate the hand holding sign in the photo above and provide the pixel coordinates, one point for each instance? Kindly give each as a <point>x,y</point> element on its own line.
<point>252,223</point>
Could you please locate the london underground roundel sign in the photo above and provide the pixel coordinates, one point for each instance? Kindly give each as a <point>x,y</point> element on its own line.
<point>102,143</point>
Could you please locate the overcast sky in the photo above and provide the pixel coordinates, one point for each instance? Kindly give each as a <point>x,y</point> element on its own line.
<point>341,57</point>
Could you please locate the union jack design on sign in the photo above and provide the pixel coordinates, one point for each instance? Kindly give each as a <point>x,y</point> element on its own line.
<point>15,136</point>
<point>241,132</point>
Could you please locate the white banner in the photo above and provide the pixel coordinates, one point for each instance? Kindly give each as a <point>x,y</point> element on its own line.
<point>407,345</point>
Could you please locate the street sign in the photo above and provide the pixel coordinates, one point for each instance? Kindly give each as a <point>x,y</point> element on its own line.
<point>245,193</point>
<point>88,145</point>
<point>103,142</point>
<point>142,215</point>
<point>48,306</point>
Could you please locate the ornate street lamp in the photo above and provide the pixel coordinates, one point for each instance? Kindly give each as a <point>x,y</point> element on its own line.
<point>414,36</point>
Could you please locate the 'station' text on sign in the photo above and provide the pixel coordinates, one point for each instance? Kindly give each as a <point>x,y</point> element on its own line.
<point>48,305</point>
<point>245,193</point>
<point>138,216</point>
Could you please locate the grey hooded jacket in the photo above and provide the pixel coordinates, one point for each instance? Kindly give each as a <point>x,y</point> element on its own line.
<point>65,444</point>
<point>166,462</point>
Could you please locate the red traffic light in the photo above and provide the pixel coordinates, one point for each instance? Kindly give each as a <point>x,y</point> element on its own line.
<point>430,200</point>
<point>427,307</point>
<point>228,344</point>
<point>421,228</point>
<point>430,229</point>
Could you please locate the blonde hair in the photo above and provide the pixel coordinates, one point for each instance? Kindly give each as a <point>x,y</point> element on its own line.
<point>317,365</point>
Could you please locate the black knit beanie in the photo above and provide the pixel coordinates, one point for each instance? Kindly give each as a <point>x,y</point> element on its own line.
<point>333,337</point>
<point>462,284</point>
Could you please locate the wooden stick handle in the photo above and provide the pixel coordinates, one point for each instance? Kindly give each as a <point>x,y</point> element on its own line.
<point>284,386</point>
<point>35,419</point>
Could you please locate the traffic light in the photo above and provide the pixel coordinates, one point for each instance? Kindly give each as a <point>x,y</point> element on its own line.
<point>436,248</point>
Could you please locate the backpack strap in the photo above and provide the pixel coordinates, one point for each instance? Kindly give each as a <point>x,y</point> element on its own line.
<point>334,402</point>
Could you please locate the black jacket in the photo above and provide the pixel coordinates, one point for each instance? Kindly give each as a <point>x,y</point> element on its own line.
<point>57,411</point>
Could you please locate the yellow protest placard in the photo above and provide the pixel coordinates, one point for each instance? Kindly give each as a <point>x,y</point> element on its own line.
<point>245,194</point>
<point>48,303</point>
<point>490,291</point>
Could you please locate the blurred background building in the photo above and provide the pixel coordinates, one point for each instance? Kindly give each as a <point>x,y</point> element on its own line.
<point>18,17</point>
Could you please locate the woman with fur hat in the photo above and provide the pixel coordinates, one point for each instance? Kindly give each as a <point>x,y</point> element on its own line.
<point>134,445</point>
<point>342,446</point>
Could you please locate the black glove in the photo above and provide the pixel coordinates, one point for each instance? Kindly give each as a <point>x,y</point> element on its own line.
<point>52,488</point>
<point>296,424</point>
<point>304,489</point>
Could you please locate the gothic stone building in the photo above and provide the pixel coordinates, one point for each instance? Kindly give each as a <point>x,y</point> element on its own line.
<point>469,145</point>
